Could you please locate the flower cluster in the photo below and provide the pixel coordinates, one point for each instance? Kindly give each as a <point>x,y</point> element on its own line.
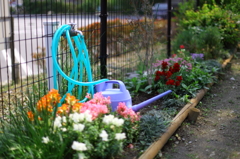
<point>45,104</point>
<point>197,56</point>
<point>126,112</point>
<point>89,128</point>
<point>166,73</point>
<point>47,101</point>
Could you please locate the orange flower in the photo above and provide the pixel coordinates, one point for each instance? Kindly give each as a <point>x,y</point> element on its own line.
<point>76,107</point>
<point>54,96</point>
<point>48,101</point>
<point>63,109</point>
<point>30,115</point>
<point>71,99</point>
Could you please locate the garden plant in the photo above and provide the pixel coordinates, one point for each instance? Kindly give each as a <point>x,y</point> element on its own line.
<point>91,130</point>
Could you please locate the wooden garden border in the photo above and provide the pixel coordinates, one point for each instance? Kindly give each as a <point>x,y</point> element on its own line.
<point>155,147</point>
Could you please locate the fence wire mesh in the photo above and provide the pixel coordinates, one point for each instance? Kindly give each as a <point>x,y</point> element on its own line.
<point>25,42</point>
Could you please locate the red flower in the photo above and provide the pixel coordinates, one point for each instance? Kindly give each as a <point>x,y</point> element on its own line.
<point>158,73</point>
<point>176,68</point>
<point>168,74</point>
<point>177,83</point>
<point>174,55</point>
<point>170,82</point>
<point>182,46</point>
<point>157,78</point>
<point>179,78</point>
<point>164,65</point>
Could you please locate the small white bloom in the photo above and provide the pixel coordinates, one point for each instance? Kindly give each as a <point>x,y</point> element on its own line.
<point>57,122</point>
<point>78,127</point>
<point>120,136</point>
<point>104,135</point>
<point>88,116</point>
<point>78,146</point>
<point>45,140</point>
<point>64,119</point>
<point>117,122</point>
<point>108,118</point>
<point>64,129</point>
<point>76,117</point>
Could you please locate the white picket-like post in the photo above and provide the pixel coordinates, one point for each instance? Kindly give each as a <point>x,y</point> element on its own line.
<point>50,28</point>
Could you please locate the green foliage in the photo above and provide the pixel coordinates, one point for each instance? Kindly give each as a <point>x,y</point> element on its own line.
<point>196,79</point>
<point>172,103</point>
<point>206,40</point>
<point>44,6</point>
<point>136,85</point>
<point>152,125</point>
<point>213,15</point>
<point>212,64</point>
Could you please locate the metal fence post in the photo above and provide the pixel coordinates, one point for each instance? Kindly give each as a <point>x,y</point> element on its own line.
<point>103,39</point>
<point>50,28</point>
<point>169,28</point>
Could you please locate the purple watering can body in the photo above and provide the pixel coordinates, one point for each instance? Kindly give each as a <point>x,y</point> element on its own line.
<point>121,94</point>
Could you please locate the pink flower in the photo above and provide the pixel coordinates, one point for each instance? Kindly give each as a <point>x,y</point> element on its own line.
<point>88,96</point>
<point>94,109</point>
<point>126,112</point>
<point>98,98</point>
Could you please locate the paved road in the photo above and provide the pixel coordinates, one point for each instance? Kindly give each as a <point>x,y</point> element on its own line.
<point>29,35</point>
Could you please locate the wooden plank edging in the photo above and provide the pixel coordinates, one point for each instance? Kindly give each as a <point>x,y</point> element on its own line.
<point>155,147</point>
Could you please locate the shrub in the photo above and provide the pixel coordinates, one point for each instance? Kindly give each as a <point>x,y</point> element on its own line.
<point>213,15</point>
<point>206,40</point>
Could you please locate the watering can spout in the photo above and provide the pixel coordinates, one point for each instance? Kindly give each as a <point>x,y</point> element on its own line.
<point>121,94</point>
<point>149,101</point>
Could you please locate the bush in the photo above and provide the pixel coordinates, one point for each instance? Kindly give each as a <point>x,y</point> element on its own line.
<point>213,15</point>
<point>206,40</point>
<point>43,7</point>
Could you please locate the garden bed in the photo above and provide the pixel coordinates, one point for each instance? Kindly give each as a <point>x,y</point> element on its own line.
<point>155,147</point>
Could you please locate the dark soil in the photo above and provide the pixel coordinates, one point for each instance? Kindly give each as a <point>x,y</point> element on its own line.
<point>216,133</point>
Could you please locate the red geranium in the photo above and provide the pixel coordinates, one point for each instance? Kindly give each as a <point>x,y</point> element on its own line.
<point>182,47</point>
<point>164,65</point>
<point>179,78</point>
<point>158,73</point>
<point>170,82</point>
<point>168,74</point>
<point>157,78</point>
<point>177,83</point>
<point>176,67</point>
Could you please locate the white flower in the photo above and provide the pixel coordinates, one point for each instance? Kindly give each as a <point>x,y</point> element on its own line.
<point>78,146</point>
<point>88,116</point>
<point>64,119</point>
<point>45,140</point>
<point>104,135</point>
<point>120,136</point>
<point>57,122</point>
<point>108,118</point>
<point>64,129</point>
<point>117,122</point>
<point>76,117</point>
<point>78,127</point>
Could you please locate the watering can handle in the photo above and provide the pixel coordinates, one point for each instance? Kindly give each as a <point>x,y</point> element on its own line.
<point>120,83</point>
